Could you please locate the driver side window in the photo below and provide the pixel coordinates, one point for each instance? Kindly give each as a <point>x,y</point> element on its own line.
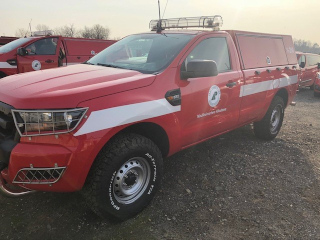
<point>215,49</point>
<point>302,61</point>
<point>46,46</point>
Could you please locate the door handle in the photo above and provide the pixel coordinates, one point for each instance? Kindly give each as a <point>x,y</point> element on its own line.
<point>231,84</point>
<point>49,61</point>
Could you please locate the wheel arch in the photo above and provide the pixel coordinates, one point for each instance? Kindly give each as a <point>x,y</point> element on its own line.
<point>283,93</point>
<point>149,130</point>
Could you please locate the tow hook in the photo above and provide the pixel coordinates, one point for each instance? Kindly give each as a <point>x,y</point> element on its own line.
<point>8,192</point>
<point>293,103</point>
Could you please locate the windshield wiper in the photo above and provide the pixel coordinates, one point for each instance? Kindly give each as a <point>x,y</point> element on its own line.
<point>108,65</point>
<point>88,63</point>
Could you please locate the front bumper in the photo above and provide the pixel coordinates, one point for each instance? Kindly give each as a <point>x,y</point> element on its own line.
<point>47,163</point>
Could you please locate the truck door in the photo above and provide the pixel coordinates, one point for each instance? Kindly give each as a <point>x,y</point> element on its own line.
<point>210,105</point>
<point>304,78</point>
<point>42,54</point>
<point>62,57</point>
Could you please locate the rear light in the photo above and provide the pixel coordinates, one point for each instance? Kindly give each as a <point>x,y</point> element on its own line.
<point>47,122</point>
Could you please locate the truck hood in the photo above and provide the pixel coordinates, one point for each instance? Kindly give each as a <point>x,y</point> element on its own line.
<point>66,87</point>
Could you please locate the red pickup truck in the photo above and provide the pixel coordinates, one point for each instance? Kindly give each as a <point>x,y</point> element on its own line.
<point>44,52</point>
<point>106,125</point>
<point>317,83</point>
<point>308,63</point>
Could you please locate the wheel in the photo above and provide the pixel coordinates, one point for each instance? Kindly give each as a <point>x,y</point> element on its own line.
<point>312,87</point>
<point>316,94</point>
<point>124,177</point>
<point>269,127</point>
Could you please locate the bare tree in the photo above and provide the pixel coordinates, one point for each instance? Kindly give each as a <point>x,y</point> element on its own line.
<point>87,33</point>
<point>70,30</point>
<point>21,32</point>
<point>96,32</point>
<point>66,31</point>
<point>100,32</point>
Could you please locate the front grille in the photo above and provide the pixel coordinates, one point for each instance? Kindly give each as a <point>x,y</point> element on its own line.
<point>39,175</point>
<point>9,136</point>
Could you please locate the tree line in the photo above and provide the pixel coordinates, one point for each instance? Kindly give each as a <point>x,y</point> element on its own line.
<point>306,46</point>
<point>97,31</point>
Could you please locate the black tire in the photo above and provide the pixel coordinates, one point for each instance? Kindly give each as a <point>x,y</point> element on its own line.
<point>269,127</point>
<point>107,189</point>
<point>316,94</point>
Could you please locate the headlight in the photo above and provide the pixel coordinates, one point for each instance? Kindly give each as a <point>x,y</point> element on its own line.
<point>46,122</point>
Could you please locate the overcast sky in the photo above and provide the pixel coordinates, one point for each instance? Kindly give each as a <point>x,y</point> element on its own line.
<point>299,18</point>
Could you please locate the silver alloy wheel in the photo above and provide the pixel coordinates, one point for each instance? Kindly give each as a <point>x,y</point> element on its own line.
<point>131,180</point>
<point>275,119</point>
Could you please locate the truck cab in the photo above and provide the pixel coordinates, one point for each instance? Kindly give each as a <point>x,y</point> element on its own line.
<point>45,52</point>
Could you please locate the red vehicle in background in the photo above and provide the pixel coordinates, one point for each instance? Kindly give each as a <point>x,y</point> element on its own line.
<point>4,40</point>
<point>317,83</point>
<point>308,63</point>
<point>39,53</point>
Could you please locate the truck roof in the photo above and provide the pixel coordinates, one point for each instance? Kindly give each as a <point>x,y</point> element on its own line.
<point>198,32</point>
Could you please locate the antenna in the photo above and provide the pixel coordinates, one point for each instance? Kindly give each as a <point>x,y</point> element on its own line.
<point>30,27</point>
<point>159,28</point>
<point>165,8</point>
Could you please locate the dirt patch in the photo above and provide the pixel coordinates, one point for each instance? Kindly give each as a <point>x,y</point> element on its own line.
<point>231,187</point>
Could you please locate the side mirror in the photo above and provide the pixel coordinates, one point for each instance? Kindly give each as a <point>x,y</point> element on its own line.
<point>22,52</point>
<point>318,65</point>
<point>302,64</point>
<point>200,68</point>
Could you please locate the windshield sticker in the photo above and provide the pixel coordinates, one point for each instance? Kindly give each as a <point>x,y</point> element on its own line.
<point>36,65</point>
<point>214,96</point>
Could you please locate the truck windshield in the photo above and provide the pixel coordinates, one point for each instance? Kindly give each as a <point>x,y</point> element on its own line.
<point>14,44</point>
<point>146,53</point>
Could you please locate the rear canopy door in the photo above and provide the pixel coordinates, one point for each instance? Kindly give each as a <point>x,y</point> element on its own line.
<point>258,51</point>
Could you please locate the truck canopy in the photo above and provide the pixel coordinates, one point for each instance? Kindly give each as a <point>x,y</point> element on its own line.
<point>84,47</point>
<point>258,50</point>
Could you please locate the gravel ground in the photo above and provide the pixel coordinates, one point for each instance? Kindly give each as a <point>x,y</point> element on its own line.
<point>231,187</point>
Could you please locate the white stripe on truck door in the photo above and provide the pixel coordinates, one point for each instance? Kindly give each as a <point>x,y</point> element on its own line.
<point>263,86</point>
<point>6,65</point>
<point>117,116</point>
